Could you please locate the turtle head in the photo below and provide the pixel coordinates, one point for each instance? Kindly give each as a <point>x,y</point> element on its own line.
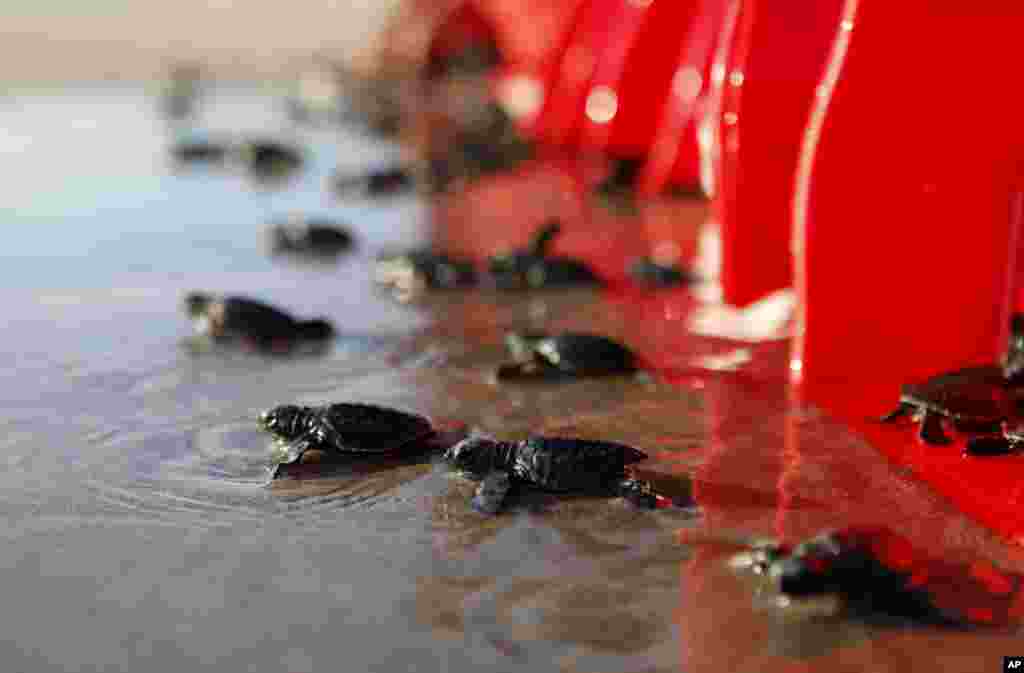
<point>317,329</point>
<point>282,237</point>
<point>196,303</point>
<point>477,455</point>
<point>286,421</point>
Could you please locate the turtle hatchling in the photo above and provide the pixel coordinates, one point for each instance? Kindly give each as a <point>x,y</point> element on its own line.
<point>253,323</point>
<point>537,355</point>
<point>875,571</point>
<point>313,236</point>
<point>975,400</point>
<point>334,432</point>
<point>554,464</point>
<point>534,268</point>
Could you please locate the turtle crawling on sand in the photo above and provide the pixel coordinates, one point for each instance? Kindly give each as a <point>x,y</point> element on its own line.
<point>538,355</point>
<point>253,323</point>
<point>309,236</point>
<point>975,399</point>
<point>334,432</point>
<point>534,268</point>
<point>554,464</point>
<point>875,571</point>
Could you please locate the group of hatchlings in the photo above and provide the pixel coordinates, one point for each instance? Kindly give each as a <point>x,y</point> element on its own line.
<point>983,401</point>
<point>310,437</point>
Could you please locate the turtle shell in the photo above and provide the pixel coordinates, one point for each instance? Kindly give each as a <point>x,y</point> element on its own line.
<point>585,354</point>
<point>354,428</point>
<point>558,464</point>
<point>977,395</point>
<point>251,318</point>
<point>351,427</point>
<point>314,235</point>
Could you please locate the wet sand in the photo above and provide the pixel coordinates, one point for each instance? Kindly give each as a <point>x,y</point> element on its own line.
<point>141,531</point>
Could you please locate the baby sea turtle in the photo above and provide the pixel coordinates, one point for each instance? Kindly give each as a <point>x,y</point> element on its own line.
<point>975,399</point>
<point>534,268</point>
<point>383,182</point>
<point>411,273</point>
<point>269,159</point>
<point>875,571</point>
<point>252,322</point>
<point>343,430</point>
<point>569,354</point>
<point>554,464</point>
<point>313,236</point>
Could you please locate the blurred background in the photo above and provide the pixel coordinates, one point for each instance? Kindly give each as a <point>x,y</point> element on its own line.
<point>65,40</point>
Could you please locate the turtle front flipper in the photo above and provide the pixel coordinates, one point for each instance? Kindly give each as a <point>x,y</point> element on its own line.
<point>904,409</point>
<point>491,494</point>
<point>293,456</point>
<point>931,431</point>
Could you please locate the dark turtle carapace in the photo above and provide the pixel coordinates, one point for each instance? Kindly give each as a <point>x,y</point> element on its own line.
<point>875,571</point>
<point>537,355</point>
<point>411,273</point>
<point>554,464</point>
<point>334,432</point>
<point>312,236</point>
<point>975,400</point>
<point>252,322</point>
<point>534,268</point>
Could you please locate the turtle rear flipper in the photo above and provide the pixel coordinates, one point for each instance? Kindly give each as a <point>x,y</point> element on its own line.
<point>296,455</point>
<point>904,409</point>
<point>931,431</point>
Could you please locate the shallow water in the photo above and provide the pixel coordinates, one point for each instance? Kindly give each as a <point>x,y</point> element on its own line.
<point>141,531</point>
